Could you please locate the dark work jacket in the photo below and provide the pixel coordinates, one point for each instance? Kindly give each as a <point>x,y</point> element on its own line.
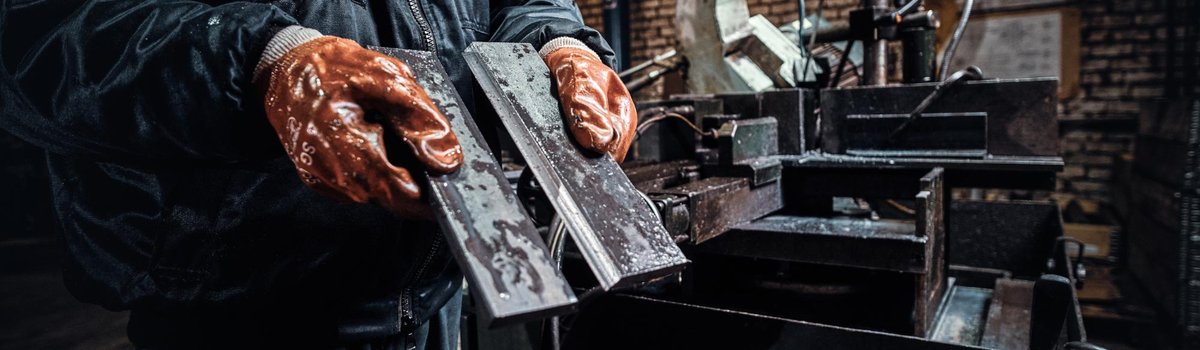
<point>174,194</point>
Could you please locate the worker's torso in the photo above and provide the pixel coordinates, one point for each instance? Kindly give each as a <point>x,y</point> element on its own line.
<point>196,237</point>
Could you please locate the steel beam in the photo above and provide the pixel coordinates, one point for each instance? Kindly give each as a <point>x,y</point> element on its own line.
<point>618,234</point>
<point>1007,324</point>
<point>497,246</point>
<point>716,204</point>
<point>931,225</point>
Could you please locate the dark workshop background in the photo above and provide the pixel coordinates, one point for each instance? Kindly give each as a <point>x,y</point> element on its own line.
<point>1134,55</point>
<point>1132,51</point>
<point>1137,82</point>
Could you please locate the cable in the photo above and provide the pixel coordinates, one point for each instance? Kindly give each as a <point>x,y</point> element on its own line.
<point>656,61</point>
<point>800,27</point>
<point>558,233</point>
<point>556,240</point>
<point>948,53</point>
<point>639,83</point>
<point>812,39</point>
<point>901,207</point>
<point>816,24</point>
<point>669,115</point>
<point>842,64</point>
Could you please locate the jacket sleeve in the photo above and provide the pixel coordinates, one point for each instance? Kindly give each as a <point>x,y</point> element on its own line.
<point>538,21</point>
<point>148,80</point>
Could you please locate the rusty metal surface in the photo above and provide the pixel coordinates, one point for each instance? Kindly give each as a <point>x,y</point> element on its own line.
<point>1021,112</point>
<point>915,246</point>
<point>656,176</point>
<point>931,285</point>
<point>760,171</point>
<point>496,245</point>
<point>793,109</point>
<point>717,203</point>
<point>608,218</point>
<point>1007,324</point>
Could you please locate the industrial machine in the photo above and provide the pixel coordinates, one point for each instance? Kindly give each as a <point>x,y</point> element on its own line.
<point>773,206</point>
<point>807,236</point>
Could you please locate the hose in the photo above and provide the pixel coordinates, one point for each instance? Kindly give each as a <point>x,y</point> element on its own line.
<point>842,63</point>
<point>657,60</point>
<point>668,115</point>
<point>811,39</point>
<point>800,28</point>
<point>948,53</point>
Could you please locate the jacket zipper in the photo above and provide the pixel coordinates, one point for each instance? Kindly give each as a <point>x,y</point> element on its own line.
<point>406,312</point>
<point>407,318</point>
<point>426,31</point>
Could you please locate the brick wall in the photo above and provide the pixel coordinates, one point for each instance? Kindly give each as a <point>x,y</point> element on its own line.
<point>651,22</point>
<point>1127,54</point>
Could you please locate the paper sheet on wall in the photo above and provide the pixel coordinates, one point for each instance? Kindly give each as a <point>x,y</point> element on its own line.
<point>1022,46</point>
<point>986,5</point>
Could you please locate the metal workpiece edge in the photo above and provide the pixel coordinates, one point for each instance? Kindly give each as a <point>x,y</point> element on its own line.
<point>618,235</point>
<point>505,260</point>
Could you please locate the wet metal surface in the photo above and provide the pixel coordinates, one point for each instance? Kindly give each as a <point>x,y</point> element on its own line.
<point>497,246</point>
<point>963,316</point>
<point>608,219</point>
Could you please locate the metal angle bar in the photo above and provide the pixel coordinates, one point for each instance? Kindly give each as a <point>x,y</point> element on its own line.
<point>884,245</point>
<point>931,225</point>
<point>505,260</point>
<point>608,218</point>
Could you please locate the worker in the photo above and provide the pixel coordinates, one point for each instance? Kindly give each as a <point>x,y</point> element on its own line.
<point>221,168</point>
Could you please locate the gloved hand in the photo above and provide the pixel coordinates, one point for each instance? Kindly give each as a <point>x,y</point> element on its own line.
<point>316,98</point>
<point>599,111</point>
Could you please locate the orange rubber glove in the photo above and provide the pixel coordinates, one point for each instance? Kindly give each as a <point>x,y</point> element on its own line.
<point>316,98</point>
<point>599,111</point>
